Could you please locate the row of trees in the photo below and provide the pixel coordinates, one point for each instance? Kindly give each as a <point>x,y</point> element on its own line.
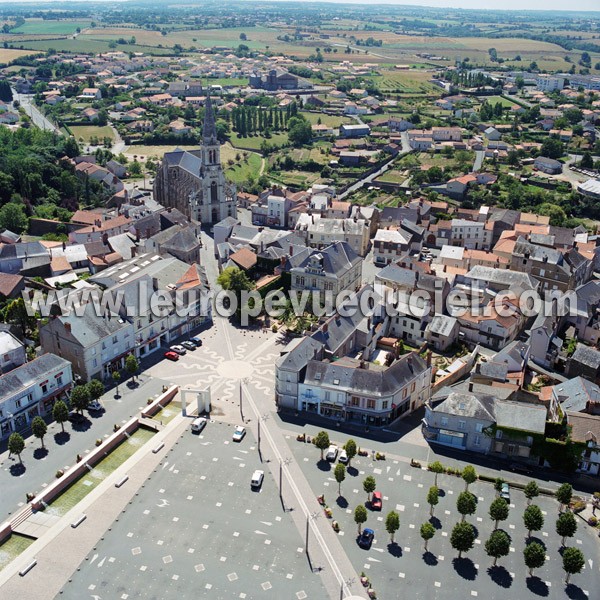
<point>253,119</point>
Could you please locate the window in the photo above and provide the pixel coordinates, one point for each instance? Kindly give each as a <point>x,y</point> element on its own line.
<point>355,401</point>
<point>478,427</point>
<point>412,387</point>
<point>18,403</point>
<point>59,380</point>
<point>371,404</point>
<point>384,404</point>
<point>95,362</point>
<point>462,424</point>
<point>44,388</point>
<point>114,339</point>
<point>498,434</point>
<point>477,441</point>
<point>444,421</point>
<point>404,393</point>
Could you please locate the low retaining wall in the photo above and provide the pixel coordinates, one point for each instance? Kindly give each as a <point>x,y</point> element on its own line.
<point>77,470</point>
<point>160,402</point>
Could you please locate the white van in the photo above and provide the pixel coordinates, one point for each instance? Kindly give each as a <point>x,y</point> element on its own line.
<point>198,424</point>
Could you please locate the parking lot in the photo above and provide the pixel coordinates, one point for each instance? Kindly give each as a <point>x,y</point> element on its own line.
<point>438,574</point>
<point>196,524</point>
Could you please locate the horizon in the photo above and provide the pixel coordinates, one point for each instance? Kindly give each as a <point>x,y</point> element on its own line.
<point>590,6</point>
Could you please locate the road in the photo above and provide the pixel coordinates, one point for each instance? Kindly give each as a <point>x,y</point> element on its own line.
<point>369,178</point>
<point>37,118</point>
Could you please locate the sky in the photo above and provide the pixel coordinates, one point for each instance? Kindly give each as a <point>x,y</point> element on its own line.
<point>590,5</point>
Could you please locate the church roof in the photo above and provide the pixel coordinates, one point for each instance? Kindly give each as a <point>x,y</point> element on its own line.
<point>187,161</point>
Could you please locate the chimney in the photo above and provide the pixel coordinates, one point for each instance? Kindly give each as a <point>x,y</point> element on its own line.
<point>155,284</point>
<point>428,359</point>
<point>325,327</point>
<point>68,327</point>
<point>133,251</point>
<point>361,364</point>
<point>291,250</point>
<point>470,386</point>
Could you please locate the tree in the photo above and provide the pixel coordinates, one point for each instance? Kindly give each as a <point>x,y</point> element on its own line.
<point>369,486</point>
<point>243,37</point>
<point>498,511</point>
<point>350,448</point>
<point>498,544</point>
<point>586,162</point>
<point>573,562</point>
<point>132,365</point>
<point>552,148</point>
<point>16,445</point>
<point>80,397</point>
<point>427,532</point>
<point>60,413</point>
<point>39,428</point>
<point>392,524</point>
<point>566,526</point>
<point>322,441</point>
<point>116,378</point>
<point>466,504</point>
<point>462,537</point>
<point>13,218</point>
<point>531,490</point>
<point>339,474</point>
<point>437,468</point>
<point>533,519</point>
<point>95,388</point>
<point>433,497</point>
<point>360,516</point>
<point>469,475</point>
<point>299,131</point>
<point>564,494</point>
<point>535,556</point>
<point>5,92</point>
<point>16,312</point>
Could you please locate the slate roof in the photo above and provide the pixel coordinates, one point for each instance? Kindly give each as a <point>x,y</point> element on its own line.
<point>502,276</point>
<point>574,394</point>
<point>520,415</point>
<point>373,380</point>
<point>185,160</point>
<point>298,353</point>
<point>584,427</point>
<point>469,405</point>
<point>586,355</point>
<point>28,374</point>
<point>335,259</point>
<point>442,324</point>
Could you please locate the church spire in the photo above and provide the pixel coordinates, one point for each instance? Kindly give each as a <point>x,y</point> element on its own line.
<point>209,129</point>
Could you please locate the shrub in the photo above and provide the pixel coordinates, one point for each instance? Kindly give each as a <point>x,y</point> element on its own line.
<point>59,473</point>
<point>98,442</point>
<point>593,521</point>
<point>578,506</point>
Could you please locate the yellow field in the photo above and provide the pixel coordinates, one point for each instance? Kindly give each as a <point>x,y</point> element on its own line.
<point>142,36</point>
<point>7,55</point>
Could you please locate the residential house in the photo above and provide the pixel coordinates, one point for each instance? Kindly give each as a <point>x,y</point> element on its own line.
<point>12,352</point>
<point>585,429</point>
<point>354,131</point>
<point>547,165</point>
<point>320,233</point>
<point>389,245</point>
<point>585,361</point>
<point>441,332</point>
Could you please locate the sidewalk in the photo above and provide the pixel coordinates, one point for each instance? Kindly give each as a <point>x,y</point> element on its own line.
<point>60,552</point>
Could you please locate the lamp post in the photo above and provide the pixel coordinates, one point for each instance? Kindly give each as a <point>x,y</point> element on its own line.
<point>263,418</point>
<point>286,462</point>
<point>347,583</point>
<point>310,517</point>
<point>242,382</point>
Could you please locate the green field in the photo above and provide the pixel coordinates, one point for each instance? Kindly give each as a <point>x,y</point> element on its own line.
<point>253,143</point>
<point>495,99</point>
<point>86,132</point>
<point>406,82</point>
<point>330,120</point>
<point>41,26</point>
<point>393,176</point>
<point>88,46</point>
<point>12,547</point>
<point>240,172</point>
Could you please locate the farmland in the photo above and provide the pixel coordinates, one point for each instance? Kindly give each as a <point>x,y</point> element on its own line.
<point>330,120</point>
<point>8,55</point>
<point>87,132</point>
<point>406,82</point>
<point>254,142</point>
<point>43,26</point>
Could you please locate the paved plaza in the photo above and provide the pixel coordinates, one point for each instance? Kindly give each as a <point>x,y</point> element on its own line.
<point>197,525</point>
<point>438,574</point>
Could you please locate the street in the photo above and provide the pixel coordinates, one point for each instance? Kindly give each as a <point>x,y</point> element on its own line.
<point>30,109</point>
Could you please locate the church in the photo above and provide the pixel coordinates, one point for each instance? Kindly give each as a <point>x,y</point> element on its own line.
<point>194,182</point>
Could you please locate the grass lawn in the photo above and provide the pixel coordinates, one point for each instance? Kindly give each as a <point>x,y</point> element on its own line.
<point>226,81</point>
<point>406,82</point>
<point>393,176</point>
<point>253,143</point>
<point>88,131</point>
<point>239,172</point>
<point>330,120</point>
<point>60,27</point>
<point>12,547</point>
<point>297,179</point>
<point>495,99</point>
<point>145,152</point>
<point>302,154</point>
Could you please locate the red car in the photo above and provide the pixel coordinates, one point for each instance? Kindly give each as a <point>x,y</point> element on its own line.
<point>376,501</point>
<point>172,355</point>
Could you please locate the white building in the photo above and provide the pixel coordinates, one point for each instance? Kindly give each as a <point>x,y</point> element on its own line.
<point>389,245</point>
<point>31,390</point>
<point>549,83</point>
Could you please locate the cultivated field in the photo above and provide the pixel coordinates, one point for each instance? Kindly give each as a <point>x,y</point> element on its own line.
<point>62,27</point>
<point>86,132</point>
<point>8,55</point>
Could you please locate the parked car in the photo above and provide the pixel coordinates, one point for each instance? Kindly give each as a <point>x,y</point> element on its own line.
<point>505,492</point>
<point>199,424</point>
<point>95,406</point>
<point>366,538</point>
<point>519,468</point>
<point>178,349</point>
<point>376,501</point>
<point>188,345</point>
<point>257,479</point>
<point>332,453</point>
<point>343,457</point>
<point>196,340</point>
<point>172,355</point>
<point>239,433</point>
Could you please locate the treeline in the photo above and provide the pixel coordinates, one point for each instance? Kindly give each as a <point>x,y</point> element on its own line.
<point>247,120</point>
